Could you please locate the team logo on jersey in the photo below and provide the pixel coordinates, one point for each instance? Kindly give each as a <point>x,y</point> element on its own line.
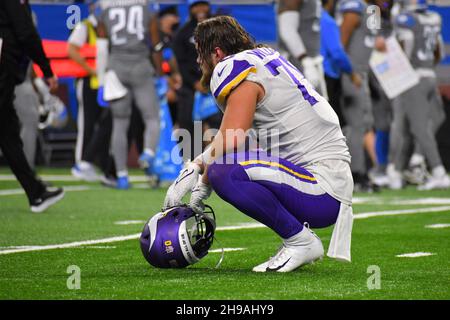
<point>221,71</point>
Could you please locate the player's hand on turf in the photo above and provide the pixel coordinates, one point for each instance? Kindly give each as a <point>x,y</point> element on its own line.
<point>185,182</point>
<point>201,192</point>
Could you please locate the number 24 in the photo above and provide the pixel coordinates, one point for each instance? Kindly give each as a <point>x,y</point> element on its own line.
<point>134,23</point>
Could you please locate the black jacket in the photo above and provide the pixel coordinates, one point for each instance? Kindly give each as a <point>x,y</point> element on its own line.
<point>186,55</point>
<point>20,39</point>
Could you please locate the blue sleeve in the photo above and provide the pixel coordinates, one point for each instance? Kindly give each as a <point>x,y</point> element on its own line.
<point>334,48</point>
<point>152,6</point>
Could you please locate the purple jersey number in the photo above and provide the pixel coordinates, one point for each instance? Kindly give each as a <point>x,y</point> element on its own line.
<point>273,66</point>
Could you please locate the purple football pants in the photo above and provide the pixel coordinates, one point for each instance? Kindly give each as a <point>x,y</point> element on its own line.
<point>273,191</point>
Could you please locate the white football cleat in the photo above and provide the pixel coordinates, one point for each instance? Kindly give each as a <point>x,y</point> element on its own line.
<point>263,266</point>
<point>301,249</point>
<point>438,180</point>
<point>395,178</point>
<point>85,171</point>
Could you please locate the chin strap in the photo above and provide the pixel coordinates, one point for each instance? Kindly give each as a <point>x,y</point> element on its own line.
<point>222,256</point>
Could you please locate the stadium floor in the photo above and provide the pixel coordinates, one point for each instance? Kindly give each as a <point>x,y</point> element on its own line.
<point>387,224</point>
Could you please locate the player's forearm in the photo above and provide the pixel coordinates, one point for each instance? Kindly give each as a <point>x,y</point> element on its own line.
<point>74,54</point>
<point>349,24</point>
<point>157,61</point>
<point>289,22</point>
<point>102,59</point>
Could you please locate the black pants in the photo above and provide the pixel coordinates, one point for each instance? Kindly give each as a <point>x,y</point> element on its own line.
<point>185,107</point>
<point>96,127</point>
<point>334,90</point>
<point>10,142</point>
<point>184,118</point>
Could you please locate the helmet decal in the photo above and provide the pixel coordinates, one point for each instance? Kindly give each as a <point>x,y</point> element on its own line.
<point>177,237</point>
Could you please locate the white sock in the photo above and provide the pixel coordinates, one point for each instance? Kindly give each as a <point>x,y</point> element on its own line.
<point>150,152</point>
<point>439,171</point>
<point>122,173</point>
<point>392,172</point>
<point>416,159</point>
<point>298,239</point>
<point>84,165</point>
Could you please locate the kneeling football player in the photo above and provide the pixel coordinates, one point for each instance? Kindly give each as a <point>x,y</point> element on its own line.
<point>301,178</point>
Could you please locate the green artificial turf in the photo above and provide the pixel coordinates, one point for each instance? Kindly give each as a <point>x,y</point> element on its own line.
<point>117,270</point>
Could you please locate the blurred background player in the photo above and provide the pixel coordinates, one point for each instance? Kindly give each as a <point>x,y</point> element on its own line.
<point>26,103</point>
<point>358,40</point>
<point>299,38</point>
<point>94,123</point>
<point>186,55</point>
<point>335,59</point>
<point>169,22</point>
<point>418,113</point>
<point>125,31</point>
<point>381,105</point>
<point>20,42</point>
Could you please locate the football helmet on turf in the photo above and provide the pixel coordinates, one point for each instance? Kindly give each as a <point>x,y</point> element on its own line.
<point>178,237</point>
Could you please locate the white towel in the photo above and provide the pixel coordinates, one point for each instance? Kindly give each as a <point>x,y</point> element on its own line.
<point>114,89</point>
<point>341,239</point>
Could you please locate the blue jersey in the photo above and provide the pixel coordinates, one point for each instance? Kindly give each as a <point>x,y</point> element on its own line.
<point>335,60</point>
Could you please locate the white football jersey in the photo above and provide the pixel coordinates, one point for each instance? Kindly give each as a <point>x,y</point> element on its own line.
<point>292,121</point>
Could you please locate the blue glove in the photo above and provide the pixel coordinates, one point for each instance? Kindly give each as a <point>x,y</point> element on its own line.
<point>101,102</point>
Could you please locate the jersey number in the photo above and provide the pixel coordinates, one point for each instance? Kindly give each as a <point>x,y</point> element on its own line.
<point>133,23</point>
<point>430,33</point>
<point>293,73</point>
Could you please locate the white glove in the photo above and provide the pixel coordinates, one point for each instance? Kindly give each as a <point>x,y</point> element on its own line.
<point>201,192</point>
<point>310,71</point>
<point>186,180</point>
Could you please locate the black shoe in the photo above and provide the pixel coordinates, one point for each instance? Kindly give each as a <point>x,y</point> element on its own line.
<point>48,198</point>
<point>108,181</point>
<point>363,184</point>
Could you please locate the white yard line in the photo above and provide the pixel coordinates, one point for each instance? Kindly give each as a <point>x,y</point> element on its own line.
<point>225,250</point>
<point>400,201</point>
<point>71,244</point>
<point>128,222</point>
<point>438,226</point>
<point>11,192</point>
<point>364,215</point>
<point>415,255</point>
<point>251,225</point>
<point>61,177</point>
